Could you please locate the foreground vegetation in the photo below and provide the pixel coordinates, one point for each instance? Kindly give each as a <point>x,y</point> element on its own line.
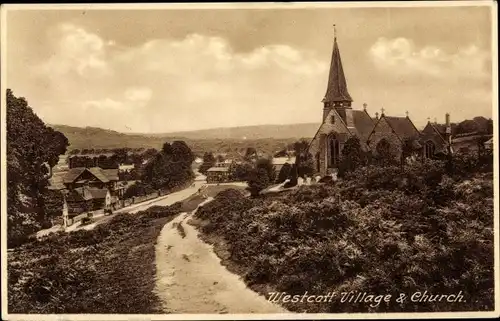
<point>381,230</point>
<point>110,269</point>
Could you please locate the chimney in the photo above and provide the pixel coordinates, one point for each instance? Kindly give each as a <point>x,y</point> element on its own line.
<point>364,106</point>
<point>448,130</point>
<point>376,115</point>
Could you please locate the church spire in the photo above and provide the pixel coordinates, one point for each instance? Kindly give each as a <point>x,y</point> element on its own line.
<point>336,91</point>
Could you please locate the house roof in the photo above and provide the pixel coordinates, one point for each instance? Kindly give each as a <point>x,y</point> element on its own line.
<point>73,174</point>
<point>465,138</point>
<point>439,129</point>
<point>283,160</point>
<point>218,169</point>
<point>79,194</point>
<point>363,123</point>
<point>104,175</point>
<point>124,167</point>
<point>402,126</point>
<point>99,174</point>
<point>111,174</point>
<point>337,85</point>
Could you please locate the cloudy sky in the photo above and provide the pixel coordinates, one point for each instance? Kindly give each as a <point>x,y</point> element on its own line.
<point>172,70</point>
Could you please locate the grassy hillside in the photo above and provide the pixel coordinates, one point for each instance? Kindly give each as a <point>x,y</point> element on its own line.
<point>265,138</point>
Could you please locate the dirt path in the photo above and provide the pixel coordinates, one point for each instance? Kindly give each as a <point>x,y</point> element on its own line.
<point>191,279</point>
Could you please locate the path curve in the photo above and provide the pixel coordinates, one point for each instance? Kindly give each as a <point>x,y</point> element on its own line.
<point>191,279</point>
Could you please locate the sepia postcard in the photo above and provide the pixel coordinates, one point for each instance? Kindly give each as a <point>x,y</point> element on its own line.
<point>249,161</point>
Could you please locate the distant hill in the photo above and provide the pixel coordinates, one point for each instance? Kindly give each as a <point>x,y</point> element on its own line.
<point>267,138</point>
<point>250,132</point>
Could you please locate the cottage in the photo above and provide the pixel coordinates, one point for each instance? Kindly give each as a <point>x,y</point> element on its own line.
<point>218,174</point>
<point>94,177</point>
<point>86,199</point>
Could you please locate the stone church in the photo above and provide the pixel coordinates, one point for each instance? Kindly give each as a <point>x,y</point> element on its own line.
<point>341,121</point>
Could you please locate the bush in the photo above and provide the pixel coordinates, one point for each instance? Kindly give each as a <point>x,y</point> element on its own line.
<point>161,211</point>
<point>258,180</point>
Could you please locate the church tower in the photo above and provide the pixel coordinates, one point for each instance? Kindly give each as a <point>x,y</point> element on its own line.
<point>337,96</point>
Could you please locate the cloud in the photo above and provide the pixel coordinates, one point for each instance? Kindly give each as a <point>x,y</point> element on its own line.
<point>201,81</point>
<point>179,84</point>
<point>138,94</point>
<point>76,51</point>
<point>401,56</point>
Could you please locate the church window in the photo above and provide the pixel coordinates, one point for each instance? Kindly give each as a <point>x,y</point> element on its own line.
<point>332,120</point>
<point>429,149</point>
<point>333,151</point>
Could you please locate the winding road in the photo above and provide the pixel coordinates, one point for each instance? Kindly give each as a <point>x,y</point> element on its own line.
<point>191,279</point>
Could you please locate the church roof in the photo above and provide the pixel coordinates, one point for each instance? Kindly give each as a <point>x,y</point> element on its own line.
<point>363,123</point>
<point>337,85</point>
<point>402,126</point>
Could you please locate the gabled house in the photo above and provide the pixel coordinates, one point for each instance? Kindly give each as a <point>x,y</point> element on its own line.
<point>218,174</point>
<point>94,177</point>
<point>436,139</point>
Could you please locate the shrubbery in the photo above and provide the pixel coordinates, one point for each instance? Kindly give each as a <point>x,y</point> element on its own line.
<point>92,271</point>
<point>384,230</point>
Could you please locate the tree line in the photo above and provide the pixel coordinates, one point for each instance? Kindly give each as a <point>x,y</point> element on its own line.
<point>32,150</point>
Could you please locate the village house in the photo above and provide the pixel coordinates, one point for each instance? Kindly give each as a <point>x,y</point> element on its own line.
<point>87,199</point>
<point>341,121</point>
<point>92,188</point>
<point>218,174</point>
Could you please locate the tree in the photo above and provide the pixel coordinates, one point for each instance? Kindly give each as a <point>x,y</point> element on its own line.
<point>241,172</point>
<point>351,156</point>
<point>303,159</point>
<point>121,155</point>
<point>208,161</point>
<point>31,146</point>
<point>293,177</point>
<point>170,168</point>
<point>257,181</point>
<point>284,173</point>
<point>267,165</point>
<point>182,152</point>
<point>384,154</point>
<point>167,149</point>
<point>220,158</point>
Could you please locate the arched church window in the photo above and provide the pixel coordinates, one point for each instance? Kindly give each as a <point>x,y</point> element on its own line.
<point>332,120</point>
<point>333,151</point>
<point>429,149</point>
